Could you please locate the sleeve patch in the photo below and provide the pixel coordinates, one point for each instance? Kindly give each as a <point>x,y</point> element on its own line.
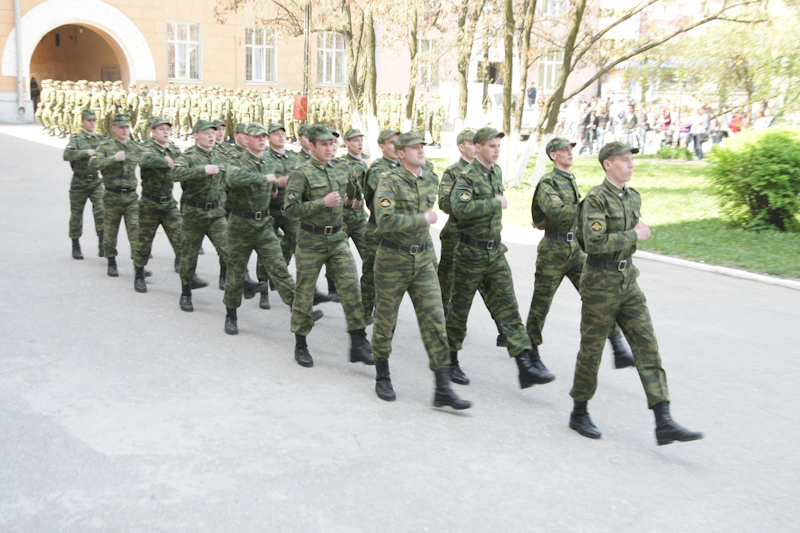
<point>597,226</point>
<point>556,198</point>
<point>447,190</point>
<point>385,203</point>
<point>464,196</point>
<point>292,196</point>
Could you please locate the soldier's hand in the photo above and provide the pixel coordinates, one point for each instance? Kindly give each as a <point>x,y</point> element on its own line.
<point>432,217</point>
<point>642,230</point>
<point>332,199</point>
<point>120,156</point>
<point>347,201</point>
<point>272,179</point>
<point>357,204</point>
<point>274,194</point>
<point>212,169</point>
<point>91,152</point>
<point>282,181</point>
<point>503,201</point>
<point>170,162</point>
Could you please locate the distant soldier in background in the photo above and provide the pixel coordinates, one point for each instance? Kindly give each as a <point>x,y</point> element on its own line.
<point>437,117</point>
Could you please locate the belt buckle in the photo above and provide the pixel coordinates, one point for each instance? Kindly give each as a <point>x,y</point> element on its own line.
<point>90,177</point>
<point>123,192</point>
<point>490,245</point>
<point>327,230</point>
<point>258,215</point>
<point>570,236</point>
<point>622,265</point>
<point>162,199</point>
<point>209,206</point>
<point>413,249</point>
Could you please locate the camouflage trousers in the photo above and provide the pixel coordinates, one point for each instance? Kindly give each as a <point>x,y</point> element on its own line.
<point>449,238</point>
<point>420,127</point>
<point>244,237</point>
<point>81,190</point>
<point>198,223</point>
<point>555,260</point>
<point>608,297</point>
<point>436,132</point>
<point>395,274</point>
<point>185,125</point>
<point>230,125</point>
<point>116,208</point>
<point>141,132</point>
<point>333,251</point>
<point>47,118</point>
<point>355,226</point>
<point>151,215</point>
<point>288,242</point>
<point>475,267</point>
<point>368,251</point>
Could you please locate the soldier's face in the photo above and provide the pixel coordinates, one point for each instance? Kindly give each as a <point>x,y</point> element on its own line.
<point>257,143</point>
<point>220,136</point>
<point>122,133</point>
<point>467,149</point>
<point>324,150</point>
<point>619,168</point>
<point>161,133</point>
<point>304,143</point>
<point>388,147</point>
<point>205,138</point>
<point>277,139</point>
<point>355,145</point>
<point>489,151</point>
<point>413,156</point>
<point>89,125</point>
<point>562,158</point>
<point>241,139</point>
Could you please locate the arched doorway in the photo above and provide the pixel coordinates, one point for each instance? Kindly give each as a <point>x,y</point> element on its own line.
<point>79,52</point>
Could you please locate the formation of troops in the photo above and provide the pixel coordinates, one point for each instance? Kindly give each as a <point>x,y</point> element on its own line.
<point>255,195</point>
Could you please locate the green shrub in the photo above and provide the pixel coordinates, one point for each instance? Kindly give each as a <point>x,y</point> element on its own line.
<point>674,152</point>
<point>756,176</point>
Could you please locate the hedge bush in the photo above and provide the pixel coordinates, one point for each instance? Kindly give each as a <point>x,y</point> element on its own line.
<point>674,152</point>
<point>756,176</point>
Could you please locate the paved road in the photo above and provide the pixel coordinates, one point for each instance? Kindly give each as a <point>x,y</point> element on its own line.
<point>118,412</point>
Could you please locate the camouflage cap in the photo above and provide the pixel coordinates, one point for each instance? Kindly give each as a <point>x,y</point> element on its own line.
<point>118,83</point>
<point>122,119</point>
<point>202,125</point>
<point>557,143</point>
<point>219,124</point>
<point>255,129</point>
<point>143,86</point>
<point>466,135</point>
<point>486,133</point>
<point>275,126</point>
<point>88,114</point>
<point>82,82</point>
<point>69,82</point>
<point>386,134</point>
<point>410,138</point>
<point>320,132</point>
<point>57,82</point>
<point>353,132</point>
<point>106,83</point>
<point>615,148</point>
<point>303,130</point>
<point>155,122</point>
<point>240,128</point>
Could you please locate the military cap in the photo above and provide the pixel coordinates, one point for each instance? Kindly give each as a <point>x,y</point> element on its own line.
<point>255,129</point>
<point>275,126</point>
<point>202,125</point>
<point>240,128</point>
<point>615,148</point>
<point>466,135</point>
<point>106,82</point>
<point>217,123</point>
<point>352,132</point>
<point>238,91</point>
<point>88,114</point>
<point>320,132</point>
<point>155,122</point>
<point>143,86</point>
<point>410,138</point>
<point>385,134</point>
<point>303,130</point>
<point>57,82</point>
<point>118,83</point>
<point>69,82</point>
<point>122,119</point>
<point>557,143</point>
<point>486,133</point>
<point>82,82</point>
<point>131,86</point>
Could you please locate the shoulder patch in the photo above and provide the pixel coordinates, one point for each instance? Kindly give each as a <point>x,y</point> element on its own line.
<point>556,198</point>
<point>292,196</point>
<point>464,196</point>
<point>447,190</point>
<point>385,203</point>
<point>597,226</point>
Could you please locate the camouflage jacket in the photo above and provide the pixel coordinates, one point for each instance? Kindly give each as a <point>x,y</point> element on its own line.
<point>309,184</point>
<point>116,174</point>
<point>473,202</point>
<point>155,171</point>
<point>247,185</point>
<point>555,202</point>
<point>190,171</point>
<point>77,151</point>
<point>402,199</point>
<point>358,176</point>
<point>607,217</point>
<point>376,170</point>
<point>446,187</point>
<point>283,164</point>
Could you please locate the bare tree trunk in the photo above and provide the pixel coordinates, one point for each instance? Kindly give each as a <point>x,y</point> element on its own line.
<point>566,67</point>
<point>524,52</point>
<point>508,64</point>
<point>413,48</point>
<point>370,83</point>
<point>468,15</point>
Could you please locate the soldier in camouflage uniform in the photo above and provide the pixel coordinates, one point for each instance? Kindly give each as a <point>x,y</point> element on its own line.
<point>98,105</point>
<point>554,209</point>
<point>85,183</point>
<point>68,113</point>
<point>109,118</point>
<point>477,202</point>
<point>159,102</point>
<point>141,132</point>
<point>47,100</point>
<point>117,159</point>
<point>83,100</point>
<point>406,262</point>
<point>609,228</point>
<point>437,117</point>
<point>315,195</point>
<point>420,115</point>
<point>58,108</point>
<point>185,112</point>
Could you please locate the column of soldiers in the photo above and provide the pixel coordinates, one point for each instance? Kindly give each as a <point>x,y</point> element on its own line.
<point>242,195</point>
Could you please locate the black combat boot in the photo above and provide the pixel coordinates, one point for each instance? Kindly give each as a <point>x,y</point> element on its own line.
<point>667,430</point>
<point>76,249</point>
<point>112,267</point>
<point>146,272</point>
<point>223,273</point>
<point>264,303</point>
<point>579,421</point>
<point>444,395</point>
<point>622,356</point>
<point>316,314</point>
<point>186,298</point>
<point>456,374</point>
<point>301,354</point>
<point>360,348</point>
<point>198,283</point>
<point>321,298</point>
<point>101,250</point>
<point>139,284</point>
<point>501,339</point>
<point>251,288</point>
<point>332,294</point>
<point>531,369</point>
<point>177,264</point>
<point>230,322</point>
<point>383,382</point>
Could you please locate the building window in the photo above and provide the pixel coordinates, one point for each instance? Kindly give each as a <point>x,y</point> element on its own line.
<point>550,70</point>
<point>183,51</point>
<point>428,63</point>
<point>261,55</point>
<point>330,58</point>
<point>554,8</point>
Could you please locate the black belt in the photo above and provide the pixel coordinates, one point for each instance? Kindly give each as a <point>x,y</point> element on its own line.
<point>87,177</point>
<point>568,236</point>
<point>157,199</point>
<point>201,205</point>
<point>321,230</point>
<point>609,265</point>
<point>258,215</point>
<point>488,245</point>
<point>414,249</point>
<point>122,192</point>
<point>277,210</point>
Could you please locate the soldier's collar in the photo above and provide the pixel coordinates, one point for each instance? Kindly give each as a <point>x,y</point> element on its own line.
<point>563,173</point>
<point>478,162</point>
<point>317,163</point>
<point>254,156</point>
<point>465,161</point>
<point>354,158</point>
<point>409,173</point>
<point>392,161</point>
<point>613,188</point>
<point>279,154</point>
<point>164,146</point>
<point>87,133</point>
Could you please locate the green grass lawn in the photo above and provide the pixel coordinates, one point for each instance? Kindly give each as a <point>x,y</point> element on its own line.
<point>683,215</point>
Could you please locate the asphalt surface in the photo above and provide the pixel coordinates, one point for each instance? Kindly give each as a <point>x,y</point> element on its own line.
<point>119,412</point>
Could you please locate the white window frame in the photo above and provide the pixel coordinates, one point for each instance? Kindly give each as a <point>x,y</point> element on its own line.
<point>428,73</point>
<point>267,50</point>
<point>553,8</point>
<point>550,70</point>
<point>329,58</point>
<point>178,47</point>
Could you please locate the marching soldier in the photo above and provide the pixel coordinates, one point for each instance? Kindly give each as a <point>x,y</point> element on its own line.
<point>141,131</point>
<point>98,105</point>
<point>185,112</point>
<point>420,115</point>
<point>437,116</point>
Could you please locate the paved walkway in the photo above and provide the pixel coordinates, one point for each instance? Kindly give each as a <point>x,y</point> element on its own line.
<point>118,412</point>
